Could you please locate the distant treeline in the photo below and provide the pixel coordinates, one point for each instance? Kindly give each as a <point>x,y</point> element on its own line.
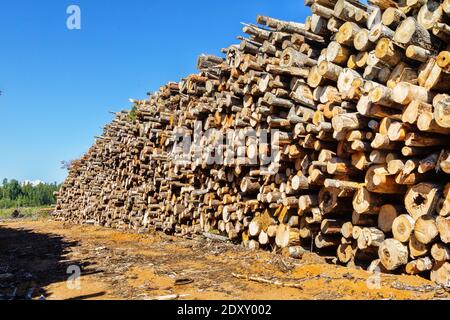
<point>15,194</point>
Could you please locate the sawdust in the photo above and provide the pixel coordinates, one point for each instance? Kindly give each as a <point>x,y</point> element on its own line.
<point>119,265</point>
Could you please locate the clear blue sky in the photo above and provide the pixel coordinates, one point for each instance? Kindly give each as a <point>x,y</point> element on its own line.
<point>58,84</point>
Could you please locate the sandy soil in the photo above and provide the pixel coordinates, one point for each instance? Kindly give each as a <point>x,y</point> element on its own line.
<point>35,257</point>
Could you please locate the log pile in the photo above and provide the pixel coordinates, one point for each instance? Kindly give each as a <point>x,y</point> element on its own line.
<point>330,135</point>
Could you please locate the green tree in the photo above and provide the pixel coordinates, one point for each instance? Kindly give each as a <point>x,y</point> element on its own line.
<point>14,194</point>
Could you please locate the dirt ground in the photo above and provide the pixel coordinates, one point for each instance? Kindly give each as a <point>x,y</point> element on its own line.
<point>35,257</point>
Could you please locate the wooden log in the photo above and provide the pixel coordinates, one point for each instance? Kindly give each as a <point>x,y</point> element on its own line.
<point>416,248</point>
<point>443,226</point>
<point>349,11</point>
<point>420,265</point>
<point>384,4</point>
<point>440,252</point>
<point>418,53</point>
<point>388,52</point>
<point>346,252</point>
<point>442,110</point>
<point>403,228</point>
<point>380,31</point>
<point>329,70</point>
<point>346,80</point>
<point>426,229</point>
<point>393,254</point>
<point>437,79</point>
<point>426,123</point>
<point>386,218</point>
<point>249,186</point>
<point>382,182</point>
<point>373,237</point>
<point>337,53</point>
<point>397,131</point>
<point>331,226</point>
<point>347,230</point>
<point>366,202</point>
<point>287,237</point>
<point>422,140</point>
<point>315,79</point>
<point>324,241</point>
<point>430,14</point>
<point>442,31</point>
<point>404,93</point>
<point>349,121</point>
<point>446,6</point>
<point>383,96</point>
<point>410,32</point>
<point>293,58</point>
<point>323,10</point>
<point>347,33</point>
<point>361,41</point>
<point>334,24</point>
<point>441,274</point>
<point>363,220</point>
<point>422,199</point>
<point>413,111</point>
<point>319,25</point>
<point>392,17</point>
<point>329,201</point>
<point>443,60</point>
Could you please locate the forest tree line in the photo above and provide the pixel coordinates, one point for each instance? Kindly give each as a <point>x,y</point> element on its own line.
<point>14,194</point>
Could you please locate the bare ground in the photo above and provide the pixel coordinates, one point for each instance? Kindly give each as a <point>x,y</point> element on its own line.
<point>35,257</point>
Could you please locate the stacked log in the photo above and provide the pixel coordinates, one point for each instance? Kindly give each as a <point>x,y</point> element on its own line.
<point>329,136</point>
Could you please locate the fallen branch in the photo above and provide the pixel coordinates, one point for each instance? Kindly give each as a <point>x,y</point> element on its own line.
<point>426,288</point>
<point>274,282</point>
<point>169,297</point>
<point>215,237</point>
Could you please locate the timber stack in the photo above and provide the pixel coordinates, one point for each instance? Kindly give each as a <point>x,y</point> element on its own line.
<point>356,107</point>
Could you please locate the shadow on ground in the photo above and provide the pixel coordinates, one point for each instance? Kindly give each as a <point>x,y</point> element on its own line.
<point>30,261</point>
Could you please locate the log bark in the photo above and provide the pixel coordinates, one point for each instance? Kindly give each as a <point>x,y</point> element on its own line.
<point>386,218</point>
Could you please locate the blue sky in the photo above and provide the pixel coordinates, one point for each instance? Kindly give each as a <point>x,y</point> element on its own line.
<point>58,84</point>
